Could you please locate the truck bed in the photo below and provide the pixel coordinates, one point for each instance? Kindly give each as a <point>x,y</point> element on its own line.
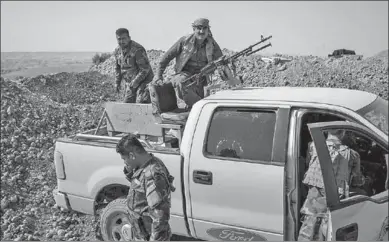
<point>103,139</point>
<point>92,164</point>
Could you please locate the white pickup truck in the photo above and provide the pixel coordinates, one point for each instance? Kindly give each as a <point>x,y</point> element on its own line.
<point>239,165</point>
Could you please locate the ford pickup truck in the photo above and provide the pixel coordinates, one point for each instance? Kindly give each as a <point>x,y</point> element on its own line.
<point>238,159</point>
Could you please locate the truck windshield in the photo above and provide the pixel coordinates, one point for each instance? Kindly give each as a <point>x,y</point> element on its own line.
<point>377,113</point>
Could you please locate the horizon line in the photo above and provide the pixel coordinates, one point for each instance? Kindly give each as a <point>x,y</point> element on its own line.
<point>264,54</point>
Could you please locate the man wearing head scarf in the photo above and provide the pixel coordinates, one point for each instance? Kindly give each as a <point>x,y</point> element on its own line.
<point>192,53</point>
<point>133,66</point>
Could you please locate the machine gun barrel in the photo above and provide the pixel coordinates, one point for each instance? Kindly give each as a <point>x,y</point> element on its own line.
<point>250,48</point>
<point>263,47</point>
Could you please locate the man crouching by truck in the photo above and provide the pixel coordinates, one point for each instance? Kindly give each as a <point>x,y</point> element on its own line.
<point>133,66</point>
<point>149,196</point>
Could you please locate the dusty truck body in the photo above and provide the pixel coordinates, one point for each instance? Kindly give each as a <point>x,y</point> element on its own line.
<point>239,165</point>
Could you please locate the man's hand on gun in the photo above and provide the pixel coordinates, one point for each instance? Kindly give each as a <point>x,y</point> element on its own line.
<point>223,62</point>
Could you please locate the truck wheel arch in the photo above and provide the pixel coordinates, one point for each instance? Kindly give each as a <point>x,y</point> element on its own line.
<point>110,193</point>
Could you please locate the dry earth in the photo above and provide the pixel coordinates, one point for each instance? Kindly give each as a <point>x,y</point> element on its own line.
<point>37,110</point>
<point>30,64</point>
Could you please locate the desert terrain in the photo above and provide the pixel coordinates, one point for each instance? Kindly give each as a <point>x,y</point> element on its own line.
<point>49,95</point>
<point>29,64</point>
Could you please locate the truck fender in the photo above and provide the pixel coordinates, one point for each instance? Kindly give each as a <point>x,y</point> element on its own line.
<point>104,177</point>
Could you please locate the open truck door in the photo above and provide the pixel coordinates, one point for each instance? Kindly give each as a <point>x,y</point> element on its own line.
<point>356,217</point>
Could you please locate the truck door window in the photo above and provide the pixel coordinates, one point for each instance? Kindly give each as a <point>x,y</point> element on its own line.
<point>359,167</point>
<point>358,163</point>
<point>305,150</point>
<point>245,134</point>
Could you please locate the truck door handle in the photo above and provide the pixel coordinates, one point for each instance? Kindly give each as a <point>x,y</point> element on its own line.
<point>202,177</point>
<point>347,233</point>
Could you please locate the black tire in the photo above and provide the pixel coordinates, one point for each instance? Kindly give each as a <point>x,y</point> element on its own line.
<point>112,218</point>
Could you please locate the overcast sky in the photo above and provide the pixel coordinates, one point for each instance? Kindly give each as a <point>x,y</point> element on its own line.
<point>303,28</point>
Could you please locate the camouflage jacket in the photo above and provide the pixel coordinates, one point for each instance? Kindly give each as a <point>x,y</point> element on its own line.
<point>149,200</point>
<point>183,50</point>
<point>132,64</point>
<point>345,163</point>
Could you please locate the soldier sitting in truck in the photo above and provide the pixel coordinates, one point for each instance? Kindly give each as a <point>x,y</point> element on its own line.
<point>192,53</point>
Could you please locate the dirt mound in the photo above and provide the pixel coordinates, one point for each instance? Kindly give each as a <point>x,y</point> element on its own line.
<point>351,72</point>
<point>347,72</point>
<point>384,53</point>
<point>73,88</point>
<point>30,123</point>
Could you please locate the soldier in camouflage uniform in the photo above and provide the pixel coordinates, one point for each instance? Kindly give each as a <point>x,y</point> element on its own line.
<point>346,165</point>
<point>149,196</point>
<point>192,53</point>
<point>132,65</point>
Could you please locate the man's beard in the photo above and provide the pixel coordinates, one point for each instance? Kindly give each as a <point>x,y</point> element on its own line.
<point>124,45</point>
<point>201,37</point>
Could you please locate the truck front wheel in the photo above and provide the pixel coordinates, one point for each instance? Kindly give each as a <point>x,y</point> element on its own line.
<point>114,222</point>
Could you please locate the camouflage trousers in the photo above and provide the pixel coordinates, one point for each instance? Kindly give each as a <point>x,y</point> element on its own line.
<point>188,94</point>
<point>314,216</point>
<point>139,94</point>
<point>141,230</point>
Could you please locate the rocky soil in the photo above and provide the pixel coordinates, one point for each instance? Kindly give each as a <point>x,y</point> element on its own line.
<point>30,123</point>
<point>35,111</point>
<point>353,72</point>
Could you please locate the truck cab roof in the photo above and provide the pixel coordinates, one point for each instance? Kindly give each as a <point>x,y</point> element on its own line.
<point>347,98</point>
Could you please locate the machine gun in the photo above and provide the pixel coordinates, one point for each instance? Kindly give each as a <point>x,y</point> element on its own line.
<point>222,61</point>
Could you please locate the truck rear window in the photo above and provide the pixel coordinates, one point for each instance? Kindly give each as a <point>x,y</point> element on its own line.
<point>242,134</point>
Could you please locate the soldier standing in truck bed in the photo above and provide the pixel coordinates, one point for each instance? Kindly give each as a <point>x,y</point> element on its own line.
<point>192,53</point>
<point>132,65</point>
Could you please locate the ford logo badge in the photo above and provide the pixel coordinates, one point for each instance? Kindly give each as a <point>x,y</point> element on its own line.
<point>230,234</point>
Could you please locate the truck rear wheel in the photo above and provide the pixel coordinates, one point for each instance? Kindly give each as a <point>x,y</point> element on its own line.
<point>114,222</point>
